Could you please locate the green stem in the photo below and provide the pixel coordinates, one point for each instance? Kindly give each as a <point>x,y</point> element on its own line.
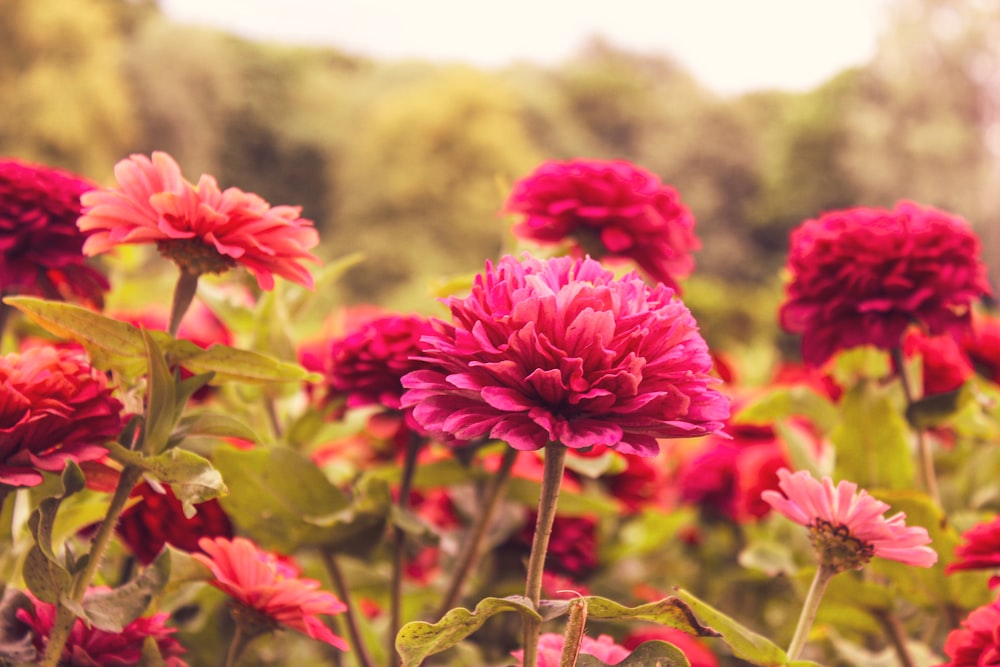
<point>184,291</point>
<point>237,646</point>
<point>351,613</point>
<point>555,462</point>
<point>924,451</point>
<point>4,315</point>
<point>472,548</point>
<point>64,615</point>
<point>809,608</point>
<point>897,637</point>
<point>416,442</point>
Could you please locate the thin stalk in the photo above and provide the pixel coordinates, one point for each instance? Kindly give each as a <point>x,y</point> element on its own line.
<point>924,451</point>
<point>555,462</point>
<point>184,291</point>
<point>472,548</point>
<point>64,616</point>
<point>897,637</point>
<point>351,613</point>
<point>809,608</point>
<point>4,314</point>
<point>416,442</point>
<point>237,646</point>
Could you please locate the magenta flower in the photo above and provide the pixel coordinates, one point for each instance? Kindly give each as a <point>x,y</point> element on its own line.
<point>863,275</point>
<point>561,351</point>
<point>609,209</point>
<point>847,528</point>
<point>550,647</point>
<point>40,246</point>
<point>981,548</point>
<point>201,228</point>
<point>977,642</point>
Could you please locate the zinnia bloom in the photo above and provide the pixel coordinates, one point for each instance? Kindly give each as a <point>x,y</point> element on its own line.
<point>561,351</point>
<point>945,366</point>
<point>609,209</point>
<point>863,275</point>
<point>847,528</point>
<point>201,228</point>
<point>982,345</point>
<point>267,591</point>
<point>40,244</point>
<point>977,642</point>
<point>89,646</point>
<point>981,548</point>
<point>54,408</point>
<point>550,647</point>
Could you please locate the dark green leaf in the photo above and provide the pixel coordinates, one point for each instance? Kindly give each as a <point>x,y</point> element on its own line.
<point>672,611</point>
<point>45,578</point>
<point>113,610</point>
<point>939,409</point>
<point>648,654</point>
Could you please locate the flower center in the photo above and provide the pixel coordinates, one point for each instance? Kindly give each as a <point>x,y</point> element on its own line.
<point>253,622</point>
<point>837,548</point>
<point>195,256</point>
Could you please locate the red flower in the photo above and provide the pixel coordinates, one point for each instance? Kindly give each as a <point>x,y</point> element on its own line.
<point>977,642</point>
<point>982,345</point>
<point>40,245</point>
<point>201,228</point>
<point>981,550</point>
<point>864,275</point>
<point>609,208</point>
<point>560,350</point>
<point>267,591</point>
<point>88,646</point>
<point>572,548</point>
<point>158,519</point>
<point>945,366</point>
<point>54,408</point>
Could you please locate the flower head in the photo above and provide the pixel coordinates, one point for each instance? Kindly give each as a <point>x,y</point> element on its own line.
<point>40,244</point>
<point>982,345</point>
<point>847,528</point>
<point>945,367</point>
<point>54,408</point>
<point>981,548</point>
<point>863,275</point>
<point>550,647</point>
<point>89,646</point>
<point>267,591</point>
<point>201,228</point>
<point>977,642</point>
<point>561,351</point>
<point>609,208</point>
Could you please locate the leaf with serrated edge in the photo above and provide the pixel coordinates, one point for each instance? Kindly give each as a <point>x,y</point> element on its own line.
<point>45,578</point>
<point>113,610</point>
<point>745,643</point>
<point>418,639</point>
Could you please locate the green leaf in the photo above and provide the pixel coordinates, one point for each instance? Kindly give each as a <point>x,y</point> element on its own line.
<point>151,656</point>
<point>203,422</point>
<point>671,611</point>
<point>872,440</point>
<point>654,653</point>
<point>230,364</point>
<point>192,478</point>
<point>161,399</point>
<point>113,610</point>
<point>45,577</point>
<point>744,643</point>
<point>940,409</point>
<point>784,402</point>
<point>417,640</point>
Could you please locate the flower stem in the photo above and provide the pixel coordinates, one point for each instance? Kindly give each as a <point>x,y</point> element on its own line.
<point>924,451</point>
<point>897,636</point>
<point>351,613</point>
<point>64,615</point>
<point>468,557</point>
<point>4,314</point>
<point>416,442</point>
<point>809,608</point>
<point>555,461</point>
<point>184,291</point>
<point>236,647</point>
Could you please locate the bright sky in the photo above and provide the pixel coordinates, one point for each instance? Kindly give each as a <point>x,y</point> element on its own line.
<point>730,45</point>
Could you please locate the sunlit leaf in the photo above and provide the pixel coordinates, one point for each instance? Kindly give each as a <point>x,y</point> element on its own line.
<point>744,643</point>
<point>873,440</point>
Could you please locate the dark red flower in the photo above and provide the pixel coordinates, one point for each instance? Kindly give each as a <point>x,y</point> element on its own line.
<point>54,408</point>
<point>982,345</point>
<point>562,351</point>
<point>608,209</point>
<point>572,547</point>
<point>88,646</point>
<point>977,642</point>
<point>40,245</point>
<point>862,276</point>
<point>945,366</point>
<point>981,548</point>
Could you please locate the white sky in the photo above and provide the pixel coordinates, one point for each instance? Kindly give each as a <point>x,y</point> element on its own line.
<point>730,45</point>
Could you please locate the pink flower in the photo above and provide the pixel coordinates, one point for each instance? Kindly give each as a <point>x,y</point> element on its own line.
<point>848,528</point>
<point>40,245</point>
<point>550,646</point>
<point>609,208</point>
<point>88,646</point>
<point>981,550</point>
<point>977,642</point>
<point>267,591</point>
<point>201,228</point>
<point>54,408</point>
<point>863,275</point>
<point>696,652</point>
<point>559,350</point>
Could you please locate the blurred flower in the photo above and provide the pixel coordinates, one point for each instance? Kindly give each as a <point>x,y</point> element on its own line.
<point>40,244</point>
<point>982,345</point>
<point>697,653</point>
<point>561,351</point>
<point>200,326</point>
<point>200,228</point>
<point>267,591</point>
<point>158,519</point>
<point>550,646</point>
<point>609,209</point>
<point>944,364</point>
<point>89,646</point>
<point>54,408</point>
<point>572,547</point>
<point>642,484</point>
<point>848,528</point>
<point>981,548</point>
<point>977,642</point>
<point>862,276</point>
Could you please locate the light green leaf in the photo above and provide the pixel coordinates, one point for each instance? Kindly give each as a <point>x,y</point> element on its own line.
<point>784,402</point>
<point>234,365</point>
<point>872,440</point>
<point>744,643</point>
<point>161,399</point>
<point>204,422</point>
<point>671,611</point>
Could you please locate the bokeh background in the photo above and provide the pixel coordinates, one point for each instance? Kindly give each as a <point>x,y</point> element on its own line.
<point>409,160</point>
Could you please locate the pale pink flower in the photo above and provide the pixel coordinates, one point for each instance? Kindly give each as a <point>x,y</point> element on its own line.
<point>847,527</point>
<point>550,647</point>
<point>201,228</point>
